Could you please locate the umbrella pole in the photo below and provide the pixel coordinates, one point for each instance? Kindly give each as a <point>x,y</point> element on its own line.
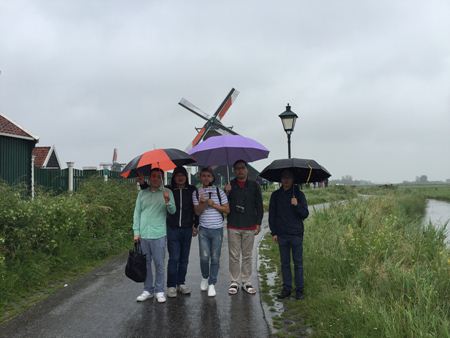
<point>228,174</point>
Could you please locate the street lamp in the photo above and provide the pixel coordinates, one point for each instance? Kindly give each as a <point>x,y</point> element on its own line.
<point>288,119</point>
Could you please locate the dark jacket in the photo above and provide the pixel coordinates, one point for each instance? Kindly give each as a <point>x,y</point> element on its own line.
<point>184,216</point>
<point>250,198</point>
<point>285,218</point>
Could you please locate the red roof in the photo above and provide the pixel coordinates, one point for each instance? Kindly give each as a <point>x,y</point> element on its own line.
<point>11,128</point>
<point>41,154</point>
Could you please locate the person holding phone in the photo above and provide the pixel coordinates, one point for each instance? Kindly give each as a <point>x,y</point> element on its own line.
<point>210,204</point>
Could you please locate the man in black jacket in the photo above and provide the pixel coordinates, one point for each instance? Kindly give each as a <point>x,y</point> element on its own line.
<point>244,223</point>
<point>287,210</point>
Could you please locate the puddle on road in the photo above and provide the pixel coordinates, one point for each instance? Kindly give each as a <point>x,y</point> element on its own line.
<point>274,308</point>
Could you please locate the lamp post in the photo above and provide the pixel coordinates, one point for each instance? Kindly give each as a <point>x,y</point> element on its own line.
<point>288,119</point>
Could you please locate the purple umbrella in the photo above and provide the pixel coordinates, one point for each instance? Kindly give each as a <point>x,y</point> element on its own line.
<point>227,149</point>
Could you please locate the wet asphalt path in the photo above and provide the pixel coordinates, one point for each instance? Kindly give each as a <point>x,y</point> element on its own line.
<point>103,304</point>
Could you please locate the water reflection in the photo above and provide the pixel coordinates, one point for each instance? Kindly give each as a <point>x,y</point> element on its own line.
<point>438,213</point>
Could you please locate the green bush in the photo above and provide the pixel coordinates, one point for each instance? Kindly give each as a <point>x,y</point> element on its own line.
<point>46,238</point>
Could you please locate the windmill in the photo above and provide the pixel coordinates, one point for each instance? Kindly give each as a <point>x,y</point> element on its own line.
<point>213,125</point>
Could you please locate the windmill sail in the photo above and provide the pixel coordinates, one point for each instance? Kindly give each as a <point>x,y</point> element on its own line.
<point>212,127</point>
<point>226,104</point>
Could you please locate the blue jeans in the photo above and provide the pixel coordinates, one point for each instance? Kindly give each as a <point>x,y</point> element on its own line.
<point>294,244</point>
<point>179,245</point>
<point>154,249</point>
<point>210,246</point>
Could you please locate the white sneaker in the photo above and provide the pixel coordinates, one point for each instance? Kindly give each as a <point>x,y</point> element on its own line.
<point>160,297</point>
<point>171,292</point>
<point>144,296</point>
<point>211,291</point>
<point>204,284</point>
<point>184,289</point>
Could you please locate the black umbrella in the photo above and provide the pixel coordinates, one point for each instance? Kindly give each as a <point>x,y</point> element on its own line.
<point>305,171</point>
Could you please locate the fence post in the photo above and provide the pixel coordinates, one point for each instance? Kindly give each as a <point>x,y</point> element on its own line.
<point>105,173</point>
<point>70,175</point>
<point>33,157</point>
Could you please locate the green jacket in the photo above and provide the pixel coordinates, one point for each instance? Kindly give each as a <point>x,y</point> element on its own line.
<point>150,212</point>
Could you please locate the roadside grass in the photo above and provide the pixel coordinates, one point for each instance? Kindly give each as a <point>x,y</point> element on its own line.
<point>371,270</point>
<point>52,239</point>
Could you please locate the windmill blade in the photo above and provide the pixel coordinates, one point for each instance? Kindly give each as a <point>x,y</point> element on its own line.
<point>194,109</point>
<point>199,136</point>
<point>226,104</point>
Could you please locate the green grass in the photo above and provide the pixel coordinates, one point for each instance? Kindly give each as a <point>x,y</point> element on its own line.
<point>439,192</point>
<point>320,195</point>
<point>51,240</point>
<point>371,270</point>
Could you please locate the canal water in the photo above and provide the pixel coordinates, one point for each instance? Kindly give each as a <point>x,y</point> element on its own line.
<point>438,213</point>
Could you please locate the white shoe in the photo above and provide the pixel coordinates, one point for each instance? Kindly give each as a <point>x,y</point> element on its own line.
<point>184,289</point>
<point>144,296</point>
<point>160,297</point>
<point>171,292</point>
<point>211,291</point>
<point>204,284</point>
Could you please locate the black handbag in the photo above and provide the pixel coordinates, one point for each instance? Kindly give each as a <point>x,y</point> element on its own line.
<point>136,268</point>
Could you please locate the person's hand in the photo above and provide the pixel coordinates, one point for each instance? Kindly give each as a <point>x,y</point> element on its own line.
<point>203,199</point>
<point>275,238</point>
<point>211,203</point>
<point>166,196</point>
<point>136,238</point>
<point>294,201</point>
<point>258,229</point>
<point>227,188</point>
<point>194,231</point>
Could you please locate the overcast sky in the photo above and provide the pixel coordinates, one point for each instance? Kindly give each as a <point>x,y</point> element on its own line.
<point>370,80</point>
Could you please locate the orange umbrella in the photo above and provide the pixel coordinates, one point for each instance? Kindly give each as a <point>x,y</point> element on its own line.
<point>165,159</point>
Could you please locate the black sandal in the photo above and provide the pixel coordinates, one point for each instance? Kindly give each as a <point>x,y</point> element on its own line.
<point>233,289</point>
<point>249,289</point>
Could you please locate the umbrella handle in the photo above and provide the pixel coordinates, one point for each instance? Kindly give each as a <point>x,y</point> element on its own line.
<point>309,175</point>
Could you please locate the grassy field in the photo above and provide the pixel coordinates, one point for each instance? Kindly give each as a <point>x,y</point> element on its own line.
<point>438,192</point>
<point>316,196</point>
<point>46,242</point>
<point>371,270</point>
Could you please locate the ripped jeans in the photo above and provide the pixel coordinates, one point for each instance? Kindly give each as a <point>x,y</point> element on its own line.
<point>210,245</point>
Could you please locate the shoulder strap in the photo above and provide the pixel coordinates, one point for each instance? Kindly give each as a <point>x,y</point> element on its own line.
<point>220,200</point>
<point>218,195</point>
